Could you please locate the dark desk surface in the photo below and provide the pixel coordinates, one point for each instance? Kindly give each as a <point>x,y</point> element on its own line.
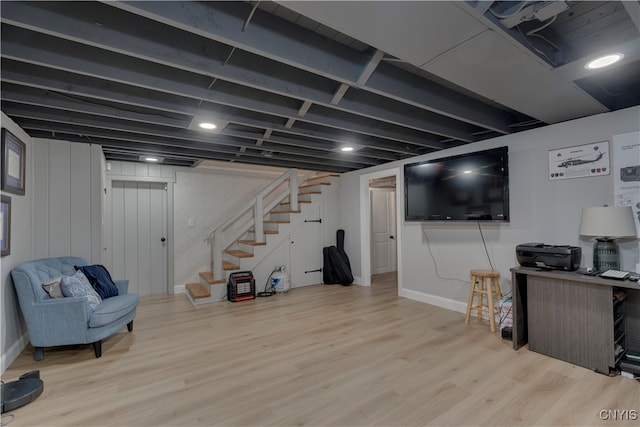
<point>576,277</point>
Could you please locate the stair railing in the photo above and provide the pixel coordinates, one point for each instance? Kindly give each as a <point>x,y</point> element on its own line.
<point>224,235</point>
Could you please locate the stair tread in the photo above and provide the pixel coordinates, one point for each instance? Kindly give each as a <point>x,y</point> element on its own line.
<point>285,212</point>
<point>276,221</point>
<point>226,265</point>
<point>299,201</point>
<point>208,277</point>
<point>197,290</point>
<point>265,231</point>
<point>238,253</point>
<point>315,184</point>
<point>252,242</point>
<point>302,193</point>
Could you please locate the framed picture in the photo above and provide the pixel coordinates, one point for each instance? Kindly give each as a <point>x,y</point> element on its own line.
<point>579,161</point>
<point>13,163</point>
<point>5,224</point>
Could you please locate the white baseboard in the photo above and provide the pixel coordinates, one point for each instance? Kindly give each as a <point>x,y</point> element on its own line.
<point>358,281</point>
<point>179,289</point>
<point>13,352</point>
<point>447,303</point>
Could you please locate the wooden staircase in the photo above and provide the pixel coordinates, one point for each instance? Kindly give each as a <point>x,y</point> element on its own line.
<point>247,250</point>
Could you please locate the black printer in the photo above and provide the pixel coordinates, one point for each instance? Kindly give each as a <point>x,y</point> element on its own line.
<point>549,256</point>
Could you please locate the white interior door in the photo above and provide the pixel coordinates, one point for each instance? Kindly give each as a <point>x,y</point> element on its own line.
<point>138,235</point>
<point>383,230</point>
<point>305,253</point>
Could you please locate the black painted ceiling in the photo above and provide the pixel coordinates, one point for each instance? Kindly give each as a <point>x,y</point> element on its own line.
<point>286,88</point>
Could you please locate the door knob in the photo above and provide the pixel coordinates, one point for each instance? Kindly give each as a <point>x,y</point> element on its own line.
<point>162,239</point>
<point>391,237</point>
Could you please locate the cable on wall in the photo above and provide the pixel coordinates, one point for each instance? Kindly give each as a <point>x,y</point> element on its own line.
<point>435,264</point>
<point>484,244</point>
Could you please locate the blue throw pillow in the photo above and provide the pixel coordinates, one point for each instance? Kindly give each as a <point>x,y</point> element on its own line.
<point>78,286</point>
<point>100,279</point>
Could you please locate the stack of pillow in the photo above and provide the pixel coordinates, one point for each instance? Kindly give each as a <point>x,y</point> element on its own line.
<point>91,281</point>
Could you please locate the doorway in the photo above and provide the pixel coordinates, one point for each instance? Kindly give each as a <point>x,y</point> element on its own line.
<point>383,225</point>
<point>389,252</point>
<point>138,235</point>
<point>305,260</point>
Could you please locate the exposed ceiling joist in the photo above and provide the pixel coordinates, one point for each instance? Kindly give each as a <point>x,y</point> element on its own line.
<point>289,83</point>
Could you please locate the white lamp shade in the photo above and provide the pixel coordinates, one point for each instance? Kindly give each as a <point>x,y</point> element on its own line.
<point>608,221</point>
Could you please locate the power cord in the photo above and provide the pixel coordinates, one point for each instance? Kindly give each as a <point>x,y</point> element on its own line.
<point>271,290</point>
<point>484,244</point>
<point>433,258</point>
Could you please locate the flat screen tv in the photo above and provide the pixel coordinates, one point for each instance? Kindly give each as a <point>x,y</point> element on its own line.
<point>468,187</point>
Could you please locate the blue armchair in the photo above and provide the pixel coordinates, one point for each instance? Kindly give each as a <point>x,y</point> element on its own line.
<point>67,321</point>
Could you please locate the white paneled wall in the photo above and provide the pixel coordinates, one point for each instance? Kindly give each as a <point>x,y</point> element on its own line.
<point>12,336</point>
<point>68,183</point>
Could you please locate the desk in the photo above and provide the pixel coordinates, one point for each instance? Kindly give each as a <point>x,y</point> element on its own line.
<point>572,317</point>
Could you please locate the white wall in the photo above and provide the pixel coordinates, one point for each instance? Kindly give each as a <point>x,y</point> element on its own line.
<point>67,202</point>
<point>13,337</point>
<point>541,211</point>
<point>59,215</point>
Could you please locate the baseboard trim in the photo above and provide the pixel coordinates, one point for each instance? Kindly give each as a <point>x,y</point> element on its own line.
<point>179,289</point>
<point>447,303</point>
<point>14,351</point>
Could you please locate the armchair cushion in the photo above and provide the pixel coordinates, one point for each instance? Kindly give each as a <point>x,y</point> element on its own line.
<point>52,287</point>
<point>100,279</point>
<point>112,309</point>
<point>78,286</point>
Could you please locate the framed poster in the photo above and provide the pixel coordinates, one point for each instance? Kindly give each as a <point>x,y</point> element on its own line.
<point>14,154</point>
<point>579,161</point>
<point>5,225</point>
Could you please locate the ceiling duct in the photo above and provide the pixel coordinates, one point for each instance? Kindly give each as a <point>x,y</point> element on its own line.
<point>528,11</point>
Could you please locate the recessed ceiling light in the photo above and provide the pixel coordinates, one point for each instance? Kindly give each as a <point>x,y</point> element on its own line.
<point>347,148</point>
<point>604,61</point>
<point>151,159</point>
<point>207,125</point>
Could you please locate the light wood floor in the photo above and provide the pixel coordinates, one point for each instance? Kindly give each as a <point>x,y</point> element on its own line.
<point>318,356</point>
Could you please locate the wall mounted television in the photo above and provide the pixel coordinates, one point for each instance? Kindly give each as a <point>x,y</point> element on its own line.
<point>469,187</point>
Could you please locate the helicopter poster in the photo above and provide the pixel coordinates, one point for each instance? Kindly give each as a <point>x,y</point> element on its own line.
<point>579,161</point>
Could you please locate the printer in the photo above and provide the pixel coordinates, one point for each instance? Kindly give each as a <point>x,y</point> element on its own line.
<point>565,258</point>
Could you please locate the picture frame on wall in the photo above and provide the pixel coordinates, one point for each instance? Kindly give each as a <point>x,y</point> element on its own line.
<point>14,154</point>
<point>579,161</point>
<point>5,225</point>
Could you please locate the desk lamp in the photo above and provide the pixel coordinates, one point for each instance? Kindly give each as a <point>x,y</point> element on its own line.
<point>606,224</point>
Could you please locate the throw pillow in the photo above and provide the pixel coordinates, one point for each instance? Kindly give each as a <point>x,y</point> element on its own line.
<point>100,279</point>
<point>78,286</point>
<point>52,287</point>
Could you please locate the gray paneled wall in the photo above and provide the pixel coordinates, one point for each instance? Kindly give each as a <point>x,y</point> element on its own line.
<point>68,184</point>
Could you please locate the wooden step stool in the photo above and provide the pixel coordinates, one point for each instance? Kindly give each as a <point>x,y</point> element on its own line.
<point>484,282</point>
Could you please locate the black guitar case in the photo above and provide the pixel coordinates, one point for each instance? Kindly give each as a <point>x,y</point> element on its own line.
<point>328,277</point>
<point>340,261</point>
